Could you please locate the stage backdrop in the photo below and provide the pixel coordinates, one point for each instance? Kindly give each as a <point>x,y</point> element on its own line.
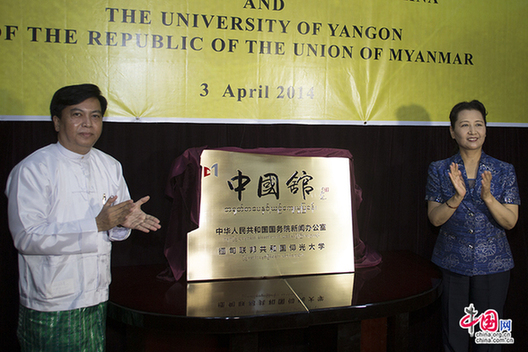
<point>268,61</point>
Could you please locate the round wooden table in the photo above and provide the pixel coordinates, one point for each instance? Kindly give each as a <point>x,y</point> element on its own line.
<point>156,312</point>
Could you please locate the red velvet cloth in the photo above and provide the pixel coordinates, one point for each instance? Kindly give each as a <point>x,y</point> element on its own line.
<point>184,187</point>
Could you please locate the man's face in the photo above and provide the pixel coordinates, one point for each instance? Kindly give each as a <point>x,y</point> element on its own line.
<point>80,125</point>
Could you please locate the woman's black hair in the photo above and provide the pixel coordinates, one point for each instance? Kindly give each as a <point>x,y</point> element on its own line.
<point>465,105</point>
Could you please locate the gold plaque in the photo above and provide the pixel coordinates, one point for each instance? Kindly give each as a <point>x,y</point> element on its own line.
<point>270,216</point>
<point>269,296</point>
<point>241,298</point>
<point>323,291</point>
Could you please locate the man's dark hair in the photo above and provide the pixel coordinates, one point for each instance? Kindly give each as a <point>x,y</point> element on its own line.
<point>72,95</point>
<point>471,105</point>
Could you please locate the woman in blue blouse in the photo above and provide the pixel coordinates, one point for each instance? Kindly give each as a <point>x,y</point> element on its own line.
<point>474,198</point>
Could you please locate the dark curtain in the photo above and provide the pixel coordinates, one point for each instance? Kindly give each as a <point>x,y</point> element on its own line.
<point>390,166</point>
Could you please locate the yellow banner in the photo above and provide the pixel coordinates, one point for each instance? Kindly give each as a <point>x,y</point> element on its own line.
<point>266,61</point>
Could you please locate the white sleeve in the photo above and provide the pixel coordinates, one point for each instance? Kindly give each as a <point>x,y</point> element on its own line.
<point>120,233</point>
<point>29,191</point>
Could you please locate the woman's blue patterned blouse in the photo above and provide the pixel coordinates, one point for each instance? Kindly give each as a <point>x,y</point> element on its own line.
<point>471,242</point>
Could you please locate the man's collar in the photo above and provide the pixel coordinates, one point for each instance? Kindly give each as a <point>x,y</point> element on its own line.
<point>72,155</point>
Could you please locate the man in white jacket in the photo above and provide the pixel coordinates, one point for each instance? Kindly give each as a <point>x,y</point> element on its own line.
<point>67,202</point>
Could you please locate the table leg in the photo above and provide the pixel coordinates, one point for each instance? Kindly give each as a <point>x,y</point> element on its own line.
<point>348,336</point>
<point>247,342</point>
<point>399,332</point>
<point>374,335</point>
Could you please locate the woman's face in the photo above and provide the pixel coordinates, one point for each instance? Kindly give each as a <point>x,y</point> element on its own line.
<point>470,130</point>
